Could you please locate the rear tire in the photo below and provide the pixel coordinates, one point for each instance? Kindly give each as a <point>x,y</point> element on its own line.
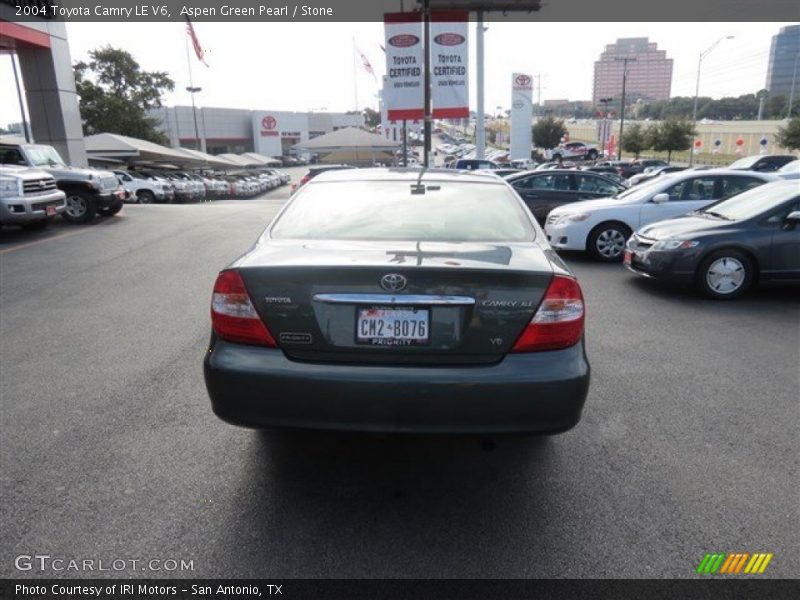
<point>606,242</point>
<point>145,197</point>
<point>592,155</point>
<point>725,274</point>
<point>81,207</point>
<point>110,211</point>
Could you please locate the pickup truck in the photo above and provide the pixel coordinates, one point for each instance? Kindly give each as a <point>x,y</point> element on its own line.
<point>573,151</point>
<point>28,197</point>
<point>89,191</point>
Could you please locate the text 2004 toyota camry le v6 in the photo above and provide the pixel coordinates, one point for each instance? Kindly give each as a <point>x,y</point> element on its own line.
<point>394,300</point>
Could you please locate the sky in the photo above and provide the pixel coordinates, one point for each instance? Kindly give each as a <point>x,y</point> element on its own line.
<point>312,66</point>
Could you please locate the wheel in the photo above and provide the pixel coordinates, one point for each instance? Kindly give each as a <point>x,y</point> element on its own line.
<point>592,155</point>
<point>110,211</point>
<point>607,241</point>
<point>556,156</point>
<point>145,197</point>
<point>81,207</point>
<point>725,274</point>
<point>36,225</point>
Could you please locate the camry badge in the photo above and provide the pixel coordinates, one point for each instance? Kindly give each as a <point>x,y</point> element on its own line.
<point>392,282</point>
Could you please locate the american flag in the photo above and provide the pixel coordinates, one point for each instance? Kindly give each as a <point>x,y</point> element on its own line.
<point>366,63</point>
<point>198,49</point>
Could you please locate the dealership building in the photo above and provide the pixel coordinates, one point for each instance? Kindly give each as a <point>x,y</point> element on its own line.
<point>40,49</point>
<point>231,130</point>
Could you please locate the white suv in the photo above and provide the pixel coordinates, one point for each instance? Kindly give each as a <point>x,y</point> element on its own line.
<point>602,226</point>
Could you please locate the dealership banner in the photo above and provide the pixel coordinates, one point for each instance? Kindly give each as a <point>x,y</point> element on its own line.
<point>521,115</point>
<point>403,92</point>
<point>449,64</point>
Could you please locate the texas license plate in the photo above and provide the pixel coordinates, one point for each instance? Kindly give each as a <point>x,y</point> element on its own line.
<point>50,210</point>
<point>378,326</point>
<point>627,257</point>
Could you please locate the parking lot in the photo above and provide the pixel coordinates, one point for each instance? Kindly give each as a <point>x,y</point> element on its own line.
<point>688,442</point>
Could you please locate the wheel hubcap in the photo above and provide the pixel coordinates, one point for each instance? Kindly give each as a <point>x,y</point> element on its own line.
<point>610,243</point>
<point>725,275</point>
<point>76,206</point>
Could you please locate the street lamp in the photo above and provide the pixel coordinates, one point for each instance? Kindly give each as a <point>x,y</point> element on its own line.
<point>703,54</point>
<point>193,90</point>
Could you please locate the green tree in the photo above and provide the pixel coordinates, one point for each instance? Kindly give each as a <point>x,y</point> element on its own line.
<point>670,136</point>
<point>789,136</point>
<point>115,94</point>
<point>372,118</point>
<point>547,132</point>
<point>635,139</point>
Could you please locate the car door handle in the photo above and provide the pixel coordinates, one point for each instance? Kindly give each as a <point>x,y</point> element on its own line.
<point>532,196</point>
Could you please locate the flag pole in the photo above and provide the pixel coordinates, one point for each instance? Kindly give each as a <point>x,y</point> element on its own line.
<point>355,76</point>
<point>191,89</point>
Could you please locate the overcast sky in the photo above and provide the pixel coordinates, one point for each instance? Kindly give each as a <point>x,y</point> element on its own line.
<point>305,66</point>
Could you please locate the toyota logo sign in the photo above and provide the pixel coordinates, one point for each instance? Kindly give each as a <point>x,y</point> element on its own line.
<point>449,39</point>
<point>392,282</point>
<point>403,40</point>
<point>268,123</point>
<point>523,80</point>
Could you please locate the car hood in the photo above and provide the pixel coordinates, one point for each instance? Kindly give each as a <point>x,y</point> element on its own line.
<point>681,227</point>
<point>590,205</point>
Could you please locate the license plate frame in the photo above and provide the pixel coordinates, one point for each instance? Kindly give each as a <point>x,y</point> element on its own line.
<point>50,210</point>
<point>403,341</point>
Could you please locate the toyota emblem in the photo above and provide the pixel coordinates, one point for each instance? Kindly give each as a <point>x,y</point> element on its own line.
<point>393,282</point>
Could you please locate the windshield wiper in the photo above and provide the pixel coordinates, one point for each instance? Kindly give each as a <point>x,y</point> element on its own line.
<point>715,214</point>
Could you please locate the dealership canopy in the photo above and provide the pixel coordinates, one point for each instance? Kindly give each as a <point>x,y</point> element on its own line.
<point>242,161</point>
<point>209,160</point>
<point>265,160</point>
<point>348,138</point>
<point>114,146</point>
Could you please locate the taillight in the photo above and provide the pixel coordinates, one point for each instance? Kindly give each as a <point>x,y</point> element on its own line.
<point>304,180</point>
<point>558,322</point>
<point>233,316</point>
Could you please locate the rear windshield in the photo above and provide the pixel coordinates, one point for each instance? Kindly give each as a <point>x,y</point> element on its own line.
<point>387,210</point>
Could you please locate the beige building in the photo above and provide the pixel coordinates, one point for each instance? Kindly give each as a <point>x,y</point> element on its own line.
<point>649,71</point>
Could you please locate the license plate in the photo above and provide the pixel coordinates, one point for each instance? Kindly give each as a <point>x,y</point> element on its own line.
<point>378,326</point>
<point>627,257</point>
<point>50,210</point>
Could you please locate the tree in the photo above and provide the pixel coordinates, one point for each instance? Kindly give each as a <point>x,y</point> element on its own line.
<point>669,136</point>
<point>115,94</point>
<point>635,139</point>
<point>789,136</point>
<point>372,118</point>
<point>547,132</point>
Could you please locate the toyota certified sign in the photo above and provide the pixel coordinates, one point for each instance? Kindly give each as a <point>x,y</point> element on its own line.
<point>449,39</point>
<point>404,40</point>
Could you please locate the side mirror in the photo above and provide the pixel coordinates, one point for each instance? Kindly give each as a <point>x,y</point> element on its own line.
<point>792,219</point>
<point>660,198</point>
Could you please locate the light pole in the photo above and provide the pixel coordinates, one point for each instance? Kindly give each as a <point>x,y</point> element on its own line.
<point>625,60</point>
<point>703,54</point>
<point>193,90</point>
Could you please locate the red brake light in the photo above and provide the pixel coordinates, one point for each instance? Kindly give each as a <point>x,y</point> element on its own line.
<point>233,316</point>
<point>558,322</point>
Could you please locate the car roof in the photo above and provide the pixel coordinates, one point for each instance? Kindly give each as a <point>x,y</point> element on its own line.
<point>410,174</point>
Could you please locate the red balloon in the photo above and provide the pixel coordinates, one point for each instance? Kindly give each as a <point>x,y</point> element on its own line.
<point>698,143</point>
<point>739,141</point>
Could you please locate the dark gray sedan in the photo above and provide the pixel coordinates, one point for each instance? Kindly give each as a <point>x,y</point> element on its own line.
<point>543,191</point>
<point>727,246</point>
<point>399,300</point>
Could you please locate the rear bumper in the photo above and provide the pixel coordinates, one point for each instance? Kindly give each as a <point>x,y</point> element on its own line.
<point>534,392</point>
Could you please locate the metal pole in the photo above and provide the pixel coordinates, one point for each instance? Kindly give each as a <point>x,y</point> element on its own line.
<point>480,131</point>
<point>405,143</point>
<point>760,108</point>
<point>622,104</point>
<point>196,130</point>
<point>22,104</point>
<point>694,110</point>
<point>426,34</point>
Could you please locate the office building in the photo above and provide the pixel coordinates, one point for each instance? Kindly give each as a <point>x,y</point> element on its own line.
<point>649,71</point>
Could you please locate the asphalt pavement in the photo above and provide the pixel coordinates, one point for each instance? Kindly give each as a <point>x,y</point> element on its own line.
<point>109,449</point>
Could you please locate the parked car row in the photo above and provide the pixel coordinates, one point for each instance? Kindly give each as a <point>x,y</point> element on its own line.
<point>148,185</point>
<point>87,192</point>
